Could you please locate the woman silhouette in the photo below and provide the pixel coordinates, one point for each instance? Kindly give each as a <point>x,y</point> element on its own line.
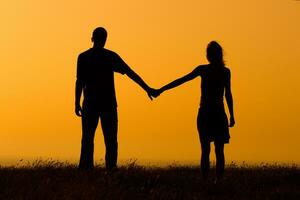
<point>212,121</point>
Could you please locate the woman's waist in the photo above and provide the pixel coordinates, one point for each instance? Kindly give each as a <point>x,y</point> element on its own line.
<point>212,102</point>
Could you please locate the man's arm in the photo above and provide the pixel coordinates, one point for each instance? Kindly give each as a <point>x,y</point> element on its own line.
<point>121,67</point>
<point>78,87</point>
<point>136,78</point>
<point>78,91</point>
<point>181,80</point>
<point>229,99</point>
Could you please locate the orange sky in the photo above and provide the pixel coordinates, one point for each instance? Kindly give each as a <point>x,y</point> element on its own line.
<point>160,40</point>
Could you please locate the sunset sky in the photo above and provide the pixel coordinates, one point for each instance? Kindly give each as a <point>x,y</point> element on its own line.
<point>161,41</point>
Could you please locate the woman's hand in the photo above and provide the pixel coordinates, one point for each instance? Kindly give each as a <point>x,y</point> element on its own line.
<point>158,92</point>
<point>232,121</point>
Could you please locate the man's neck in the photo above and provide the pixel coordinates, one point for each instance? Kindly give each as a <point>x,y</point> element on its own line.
<point>97,46</point>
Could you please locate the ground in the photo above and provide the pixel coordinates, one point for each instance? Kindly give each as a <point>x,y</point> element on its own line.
<point>56,180</point>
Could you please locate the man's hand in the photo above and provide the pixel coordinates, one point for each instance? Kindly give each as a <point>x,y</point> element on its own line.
<point>78,110</point>
<point>232,122</point>
<point>149,92</point>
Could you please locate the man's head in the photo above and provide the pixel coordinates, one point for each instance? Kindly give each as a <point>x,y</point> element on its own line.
<point>99,36</point>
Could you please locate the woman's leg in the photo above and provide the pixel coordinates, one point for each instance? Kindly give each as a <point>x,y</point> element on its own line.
<point>205,146</point>
<point>220,159</point>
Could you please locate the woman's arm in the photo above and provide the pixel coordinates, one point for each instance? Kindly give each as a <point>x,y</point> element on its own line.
<point>181,80</point>
<point>229,99</point>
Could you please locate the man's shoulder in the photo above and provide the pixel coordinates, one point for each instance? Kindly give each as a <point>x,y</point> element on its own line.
<point>110,53</point>
<point>90,51</point>
<point>85,53</point>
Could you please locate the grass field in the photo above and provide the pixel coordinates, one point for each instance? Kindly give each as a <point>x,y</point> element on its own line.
<point>54,180</point>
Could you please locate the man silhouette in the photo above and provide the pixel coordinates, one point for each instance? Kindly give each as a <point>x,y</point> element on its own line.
<point>95,77</point>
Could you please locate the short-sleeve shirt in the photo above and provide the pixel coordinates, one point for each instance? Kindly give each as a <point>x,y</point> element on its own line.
<point>95,71</point>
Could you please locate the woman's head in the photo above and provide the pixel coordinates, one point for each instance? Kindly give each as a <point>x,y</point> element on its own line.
<point>214,53</point>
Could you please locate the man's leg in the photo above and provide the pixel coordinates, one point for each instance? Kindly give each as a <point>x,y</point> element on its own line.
<point>109,122</point>
<point>90,119</point>
<point>205,146</point>
<point>220,159</point>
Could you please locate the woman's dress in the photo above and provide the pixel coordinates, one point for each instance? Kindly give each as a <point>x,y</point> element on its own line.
<point>212,121</point>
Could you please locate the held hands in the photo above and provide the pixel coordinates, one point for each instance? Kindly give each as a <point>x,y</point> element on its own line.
<point>153,92</point>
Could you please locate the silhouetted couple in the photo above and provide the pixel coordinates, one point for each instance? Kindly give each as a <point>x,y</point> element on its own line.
<point>95,77</point>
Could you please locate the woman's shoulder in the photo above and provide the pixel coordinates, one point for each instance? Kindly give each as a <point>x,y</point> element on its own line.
<point>204,65</point>
<point>201,67</point>
<point>226,70</point>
